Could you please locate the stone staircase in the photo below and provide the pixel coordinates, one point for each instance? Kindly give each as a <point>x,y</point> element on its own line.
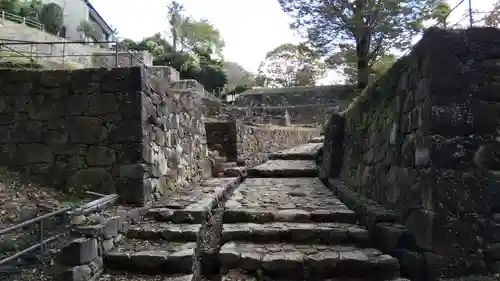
<point>283,223</point>
<point>162,246</point>
<point>280,223</point>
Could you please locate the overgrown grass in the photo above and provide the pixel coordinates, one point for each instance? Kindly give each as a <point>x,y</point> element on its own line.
<point>18,60</point>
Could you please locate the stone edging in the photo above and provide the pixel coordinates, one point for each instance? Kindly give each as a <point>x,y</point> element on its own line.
<point>206,258</point>
<point>96,234</point>
<point>389,235</point>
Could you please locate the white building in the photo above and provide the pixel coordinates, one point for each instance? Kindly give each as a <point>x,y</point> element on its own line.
<point>76,11</point>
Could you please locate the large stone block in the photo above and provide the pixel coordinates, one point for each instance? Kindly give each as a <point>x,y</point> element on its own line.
<point>95,179</point>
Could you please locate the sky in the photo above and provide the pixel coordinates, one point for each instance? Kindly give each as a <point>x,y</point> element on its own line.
<point>250,28</point>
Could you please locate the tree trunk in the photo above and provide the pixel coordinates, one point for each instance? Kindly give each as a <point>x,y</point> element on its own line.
<point>362,49</point>
<point>363,36</point>
<point>174,42</point>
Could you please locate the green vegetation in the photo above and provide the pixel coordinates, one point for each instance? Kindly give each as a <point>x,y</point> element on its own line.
<point>290,65</point>
<point>194,50</point>
<point>49,15</point>
<point>90,29</point>
<point>356,36</point>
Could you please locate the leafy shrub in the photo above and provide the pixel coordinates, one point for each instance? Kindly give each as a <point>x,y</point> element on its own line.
<point>51,16</point>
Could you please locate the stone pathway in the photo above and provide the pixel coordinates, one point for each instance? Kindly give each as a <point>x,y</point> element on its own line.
<point>280,223</point>
<point>284,169</point>
<point>283,223</point>
<point>263,200</point>
<point>308,151</point>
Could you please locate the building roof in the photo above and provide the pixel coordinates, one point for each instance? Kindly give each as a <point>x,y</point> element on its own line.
<point>98,18</point>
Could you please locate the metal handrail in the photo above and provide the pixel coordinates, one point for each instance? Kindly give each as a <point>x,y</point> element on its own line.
<point>23,20</point>
<point>118,48</point>
<point>21,54</point>
<point>92,206</point>
<point>118,45</point>
<point>32,221</point>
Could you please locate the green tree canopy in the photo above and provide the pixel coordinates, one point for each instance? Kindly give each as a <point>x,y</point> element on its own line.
<point>290,65</point>
<point>238,77</point>
<point>201,34</point>
<point>196,65</point>
<point>369,29</point>
<point>194,48</point>
<point>51,16</point>
<point>175,19</point>
<point>27,8</point>
<point>492,19</point>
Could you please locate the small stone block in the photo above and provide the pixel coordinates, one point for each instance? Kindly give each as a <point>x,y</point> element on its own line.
<point>80,251</point>
<point>76,273</point>
<point>111,227</point>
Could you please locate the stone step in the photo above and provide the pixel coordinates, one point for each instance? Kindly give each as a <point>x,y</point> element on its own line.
<point>308,151</point>
<point>191,204</point>
<point>165,231</point>
<point>322,233</point>
<point>340,215</point>
<point>326,233</point>
<point>240,275</point>
<point>263,200</point>
<point>320,139</point>
<point>284,169</point>
<point>118,276</point>
<point>151,257</point>
<point>306,261</point>
<point>160,214</point>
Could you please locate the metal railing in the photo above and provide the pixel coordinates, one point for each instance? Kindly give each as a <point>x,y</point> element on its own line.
<point>65,55</point>
<point>96,205</point>
<point>66,52</point>
<point>22,20</point>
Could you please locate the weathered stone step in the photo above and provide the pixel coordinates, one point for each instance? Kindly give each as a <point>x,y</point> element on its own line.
<point>303,262</point>
<point>340,215</point>
<point>308,151</point>
<point>262,200</point>
<point>151,257</point>
<point>320,139</point>
<point>284,169</point>
<point>195,216</point>
<point>166,231</point>
<point>240,275</point>
<point>112,276</point>
<point>191,204</point>
<point>321,233</point>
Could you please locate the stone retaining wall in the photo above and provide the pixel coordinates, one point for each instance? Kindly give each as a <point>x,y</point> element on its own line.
<point>118,130</point>
<point>422,141</point>
<point>175,150</point>
<point>238,142</point>
<point>223,137</point>
<point>74,129</point>
<point>305,105</point>
<point>255,143</point>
